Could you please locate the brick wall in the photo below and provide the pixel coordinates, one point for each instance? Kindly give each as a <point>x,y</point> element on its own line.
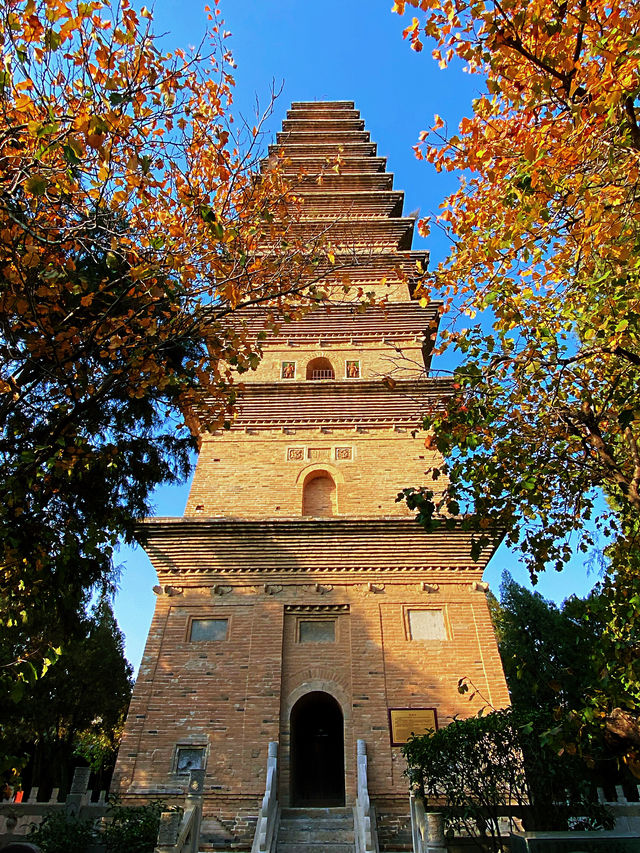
<point>355,442</point>
<point>262,474</point>
<point>376,360</point>
<point>236,695</point>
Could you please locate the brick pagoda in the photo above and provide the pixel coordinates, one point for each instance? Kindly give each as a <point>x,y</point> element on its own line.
<point>298,602</point>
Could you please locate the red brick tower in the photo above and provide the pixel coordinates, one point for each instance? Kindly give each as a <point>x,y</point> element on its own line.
<point>301,603</point>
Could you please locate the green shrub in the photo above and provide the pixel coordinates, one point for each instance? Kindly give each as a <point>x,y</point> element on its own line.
<point>133,829</point>
<point>63,833</point>
<point>471,769</point>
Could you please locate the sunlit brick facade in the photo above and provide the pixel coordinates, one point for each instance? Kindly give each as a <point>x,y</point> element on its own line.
<point>295,589</point>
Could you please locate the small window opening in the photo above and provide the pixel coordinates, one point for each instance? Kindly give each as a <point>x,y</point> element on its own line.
<point>317,631</point>
<point>320,368</point>
<point>207,630</point>
<point>189,758</point>
<point>319,494</point>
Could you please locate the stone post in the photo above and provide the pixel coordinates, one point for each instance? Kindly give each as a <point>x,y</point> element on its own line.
<point>435,833</point>
<point>194,799</point>
<point>168,829</point>
<point>78,792</point>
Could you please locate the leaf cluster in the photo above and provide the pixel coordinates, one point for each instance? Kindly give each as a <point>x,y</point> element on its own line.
<point>133,829</point>
<point>545,241</point>
<point>129,829</point>
<point>580,663</point>
<point>47,729</point>
<point>62,833</point>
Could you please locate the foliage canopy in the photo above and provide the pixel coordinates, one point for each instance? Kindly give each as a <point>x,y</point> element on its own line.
<point>578,662</point>
<point>132,233</point>
<point>75,713</point>
<point>545,236</point>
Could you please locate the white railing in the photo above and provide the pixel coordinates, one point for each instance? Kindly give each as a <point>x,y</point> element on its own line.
<point>363,813</point>
<point>626,812</point>
<point>427,828</point>
<point>264,841</point>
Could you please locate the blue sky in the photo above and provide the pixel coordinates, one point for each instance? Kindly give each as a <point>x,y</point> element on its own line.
<point>329,50</point>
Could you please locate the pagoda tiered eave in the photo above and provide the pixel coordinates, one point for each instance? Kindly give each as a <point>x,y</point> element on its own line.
<point>331,404</point>
<point>318,202</point>
<point>383,234</point>
<point>396,321</point>
<point>318,164</point>
<point>192,545</point>
<point>368,266</point>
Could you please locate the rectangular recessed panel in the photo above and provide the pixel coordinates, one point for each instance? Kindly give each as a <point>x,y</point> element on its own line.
<point>206,630</point>
<point>317,631</point>
<point>319,453</point>
<point>427,625</point>
<point>189,758</point>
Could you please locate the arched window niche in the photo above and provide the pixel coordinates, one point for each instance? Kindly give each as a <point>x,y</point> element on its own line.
<point>319,494</point>
<point>320,368</point>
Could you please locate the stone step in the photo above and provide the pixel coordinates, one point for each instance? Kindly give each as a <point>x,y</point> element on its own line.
<point>314,812</point>
<point>312,847</point>
<point>312,830</point>
<point>298,835</point>
<point>311,824</point>
<point>327,821</point>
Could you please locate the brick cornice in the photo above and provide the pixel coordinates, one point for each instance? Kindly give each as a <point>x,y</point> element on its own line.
<point>403,320</point>
<point>337,403</point>
<point>299,545</point>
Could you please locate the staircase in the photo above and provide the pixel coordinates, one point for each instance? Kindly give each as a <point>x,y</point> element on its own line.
<point>324,830</point>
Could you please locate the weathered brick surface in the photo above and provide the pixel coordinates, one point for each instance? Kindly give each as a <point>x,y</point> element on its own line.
<point>393,824</point>
<point>245,553</point>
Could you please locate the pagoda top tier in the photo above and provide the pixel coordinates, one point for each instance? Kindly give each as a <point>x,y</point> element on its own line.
<point>347,197</point>
<point>327,423</point>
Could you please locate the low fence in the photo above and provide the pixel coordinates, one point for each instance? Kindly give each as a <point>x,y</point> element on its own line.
<point>16,818</point>
<point>427,826</point>
<point>265,838</point>
<point>179,830</point>
<point>626,812</point>
<point>366,835</point>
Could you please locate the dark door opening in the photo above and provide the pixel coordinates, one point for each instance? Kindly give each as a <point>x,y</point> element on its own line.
<point>317,751</point>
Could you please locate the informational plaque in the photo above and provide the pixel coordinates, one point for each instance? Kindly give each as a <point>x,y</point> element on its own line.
<point>403,722</point>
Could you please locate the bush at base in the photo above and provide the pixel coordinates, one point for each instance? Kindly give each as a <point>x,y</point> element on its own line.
<point>62,833</point>
<point>133,829</point>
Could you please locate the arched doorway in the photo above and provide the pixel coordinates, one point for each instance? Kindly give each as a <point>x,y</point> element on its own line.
<point>317,751</point>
